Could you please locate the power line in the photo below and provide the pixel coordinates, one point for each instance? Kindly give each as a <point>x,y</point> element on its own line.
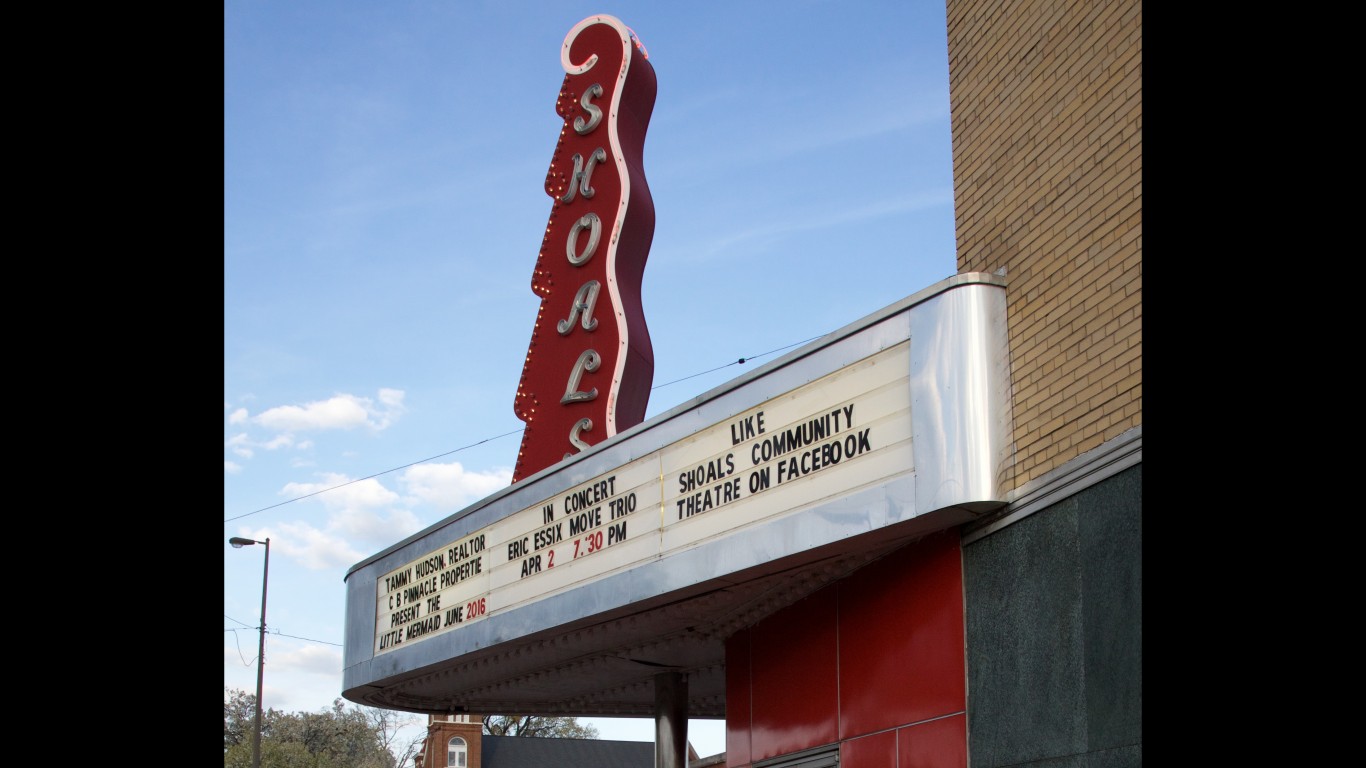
<point>276,633</point>
<point>740,361</point>
<point>234,630</point>
<point>368,477</point>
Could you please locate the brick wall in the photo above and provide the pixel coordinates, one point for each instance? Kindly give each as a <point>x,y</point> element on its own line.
<point>1047,116</point>
<point>440,729</point>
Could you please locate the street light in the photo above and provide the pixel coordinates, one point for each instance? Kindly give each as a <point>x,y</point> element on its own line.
<point>238,542</point>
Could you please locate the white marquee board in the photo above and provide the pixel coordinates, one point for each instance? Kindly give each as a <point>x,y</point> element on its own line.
<point>844,431</point>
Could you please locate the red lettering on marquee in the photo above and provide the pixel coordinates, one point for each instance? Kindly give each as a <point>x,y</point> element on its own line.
<point>590,365</point>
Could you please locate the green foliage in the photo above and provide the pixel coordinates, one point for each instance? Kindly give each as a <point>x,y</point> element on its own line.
<point>239,719</point>
<point>358,737</point>
<point>532,725</point>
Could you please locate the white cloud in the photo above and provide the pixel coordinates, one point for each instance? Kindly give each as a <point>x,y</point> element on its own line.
<point>380,530</point>
<point>344,493</point>
<point>313,658</point>
<point>360,513</point>
<point>363,514</point>
<point>231,467</point>
<point>241,445</point>
<point>278,442</point>
<point>338,412</point>
<point>391,397</point>
<point>450,486</point>
<point>297,679</point>
<point>313,548</point>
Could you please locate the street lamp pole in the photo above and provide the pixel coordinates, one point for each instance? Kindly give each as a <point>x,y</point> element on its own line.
<point>238,542</point>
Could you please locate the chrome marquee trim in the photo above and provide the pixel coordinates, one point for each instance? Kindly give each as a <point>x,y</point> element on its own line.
<point>957,379</point>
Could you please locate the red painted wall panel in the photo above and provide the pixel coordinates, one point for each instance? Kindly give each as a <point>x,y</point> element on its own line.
<point>859,662</point>
<point>737,699</point>
<point>901,656</point>
<point>792,662</point>
<point>939,743</point>
<point>876,751</point>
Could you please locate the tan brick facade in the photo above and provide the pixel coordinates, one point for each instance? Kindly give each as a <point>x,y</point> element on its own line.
<point>1047,116</point>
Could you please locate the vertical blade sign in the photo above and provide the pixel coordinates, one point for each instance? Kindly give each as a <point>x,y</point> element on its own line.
<point>590,365</point>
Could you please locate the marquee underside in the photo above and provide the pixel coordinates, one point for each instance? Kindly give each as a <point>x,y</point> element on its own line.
<point>571,590</point>
<point>605,665</point>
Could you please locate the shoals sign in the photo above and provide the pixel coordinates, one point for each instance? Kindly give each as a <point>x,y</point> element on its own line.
<point>590,365</point>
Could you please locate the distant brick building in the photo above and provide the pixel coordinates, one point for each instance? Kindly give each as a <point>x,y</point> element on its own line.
<point>456,741</point>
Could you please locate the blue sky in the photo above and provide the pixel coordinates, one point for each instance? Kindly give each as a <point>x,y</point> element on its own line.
<point>383,208</point>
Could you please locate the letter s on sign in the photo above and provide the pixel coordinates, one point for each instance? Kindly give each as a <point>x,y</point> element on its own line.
<point>594,114</point>
<point>582,425</point>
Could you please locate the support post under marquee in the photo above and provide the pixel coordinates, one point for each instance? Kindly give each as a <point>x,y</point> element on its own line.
<point>671,720</point>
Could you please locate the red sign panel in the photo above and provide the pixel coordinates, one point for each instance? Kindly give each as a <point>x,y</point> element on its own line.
<point>590,365</point>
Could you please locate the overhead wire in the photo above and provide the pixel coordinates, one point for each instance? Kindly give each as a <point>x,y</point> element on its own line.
<point>370,477</point>
<point>739,361</point>
<point>238,640</point>
<point>234,630</point>
<point>273,633</point>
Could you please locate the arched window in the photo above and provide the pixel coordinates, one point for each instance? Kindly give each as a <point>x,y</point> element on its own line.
<point>455,753</point>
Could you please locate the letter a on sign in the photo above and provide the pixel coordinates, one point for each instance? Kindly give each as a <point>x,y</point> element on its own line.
<point>590,365</point>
